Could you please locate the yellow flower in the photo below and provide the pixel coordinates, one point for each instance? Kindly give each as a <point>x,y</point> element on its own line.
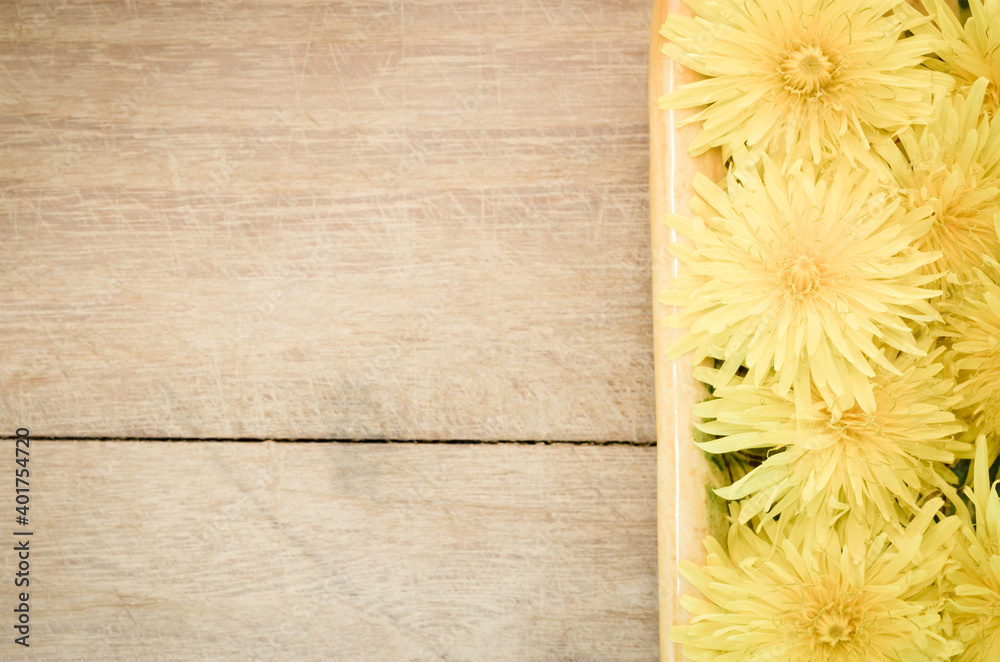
<point>782,595</point>
<point>858,460</point>
<point>970,51</point>
<point>829,75</point>
<point>804,274</point>
<point>972,324</point>
<point>953,164</point>
<point>975,607</point>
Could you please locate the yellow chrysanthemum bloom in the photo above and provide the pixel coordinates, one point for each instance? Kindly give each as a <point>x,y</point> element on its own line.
<point>953,164</point>
<point>829,75</point>
<point>804,274</point>
<point>975,607</point>
<point>863,461</point>
<point>781,595</point>
<point>970,51</point>
<point>972,325</point>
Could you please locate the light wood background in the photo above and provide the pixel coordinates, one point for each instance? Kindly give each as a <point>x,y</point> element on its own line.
<point>291,218</point>
<point>179,551</point>
<point>315,220</point>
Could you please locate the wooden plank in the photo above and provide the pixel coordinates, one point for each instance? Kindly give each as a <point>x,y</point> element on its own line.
<point>268,551</point>
<point>419,219</point>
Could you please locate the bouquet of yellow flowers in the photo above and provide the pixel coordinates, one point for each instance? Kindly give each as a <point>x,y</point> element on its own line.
<point>840,295</point>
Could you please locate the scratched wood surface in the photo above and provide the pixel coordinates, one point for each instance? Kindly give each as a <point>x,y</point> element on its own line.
<point>297,219</point>
<point>345,552</point>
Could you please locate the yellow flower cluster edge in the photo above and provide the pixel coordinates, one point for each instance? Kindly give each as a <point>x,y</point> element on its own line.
<point>927,548</point>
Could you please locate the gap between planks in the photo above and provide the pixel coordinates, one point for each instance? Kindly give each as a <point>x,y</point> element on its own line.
<point>244,440</point>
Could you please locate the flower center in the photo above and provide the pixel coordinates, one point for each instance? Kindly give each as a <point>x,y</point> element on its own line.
<point>807,70</point>
<point>833,627</point>
<point>854,419</point>
<point>801,275</point>
<point>950,221</point>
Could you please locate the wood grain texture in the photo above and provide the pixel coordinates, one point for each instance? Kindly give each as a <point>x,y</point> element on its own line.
<point>290,218</point>
<point>344,552</point>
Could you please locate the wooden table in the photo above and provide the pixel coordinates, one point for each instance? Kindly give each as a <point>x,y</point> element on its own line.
<point>232,230</point>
